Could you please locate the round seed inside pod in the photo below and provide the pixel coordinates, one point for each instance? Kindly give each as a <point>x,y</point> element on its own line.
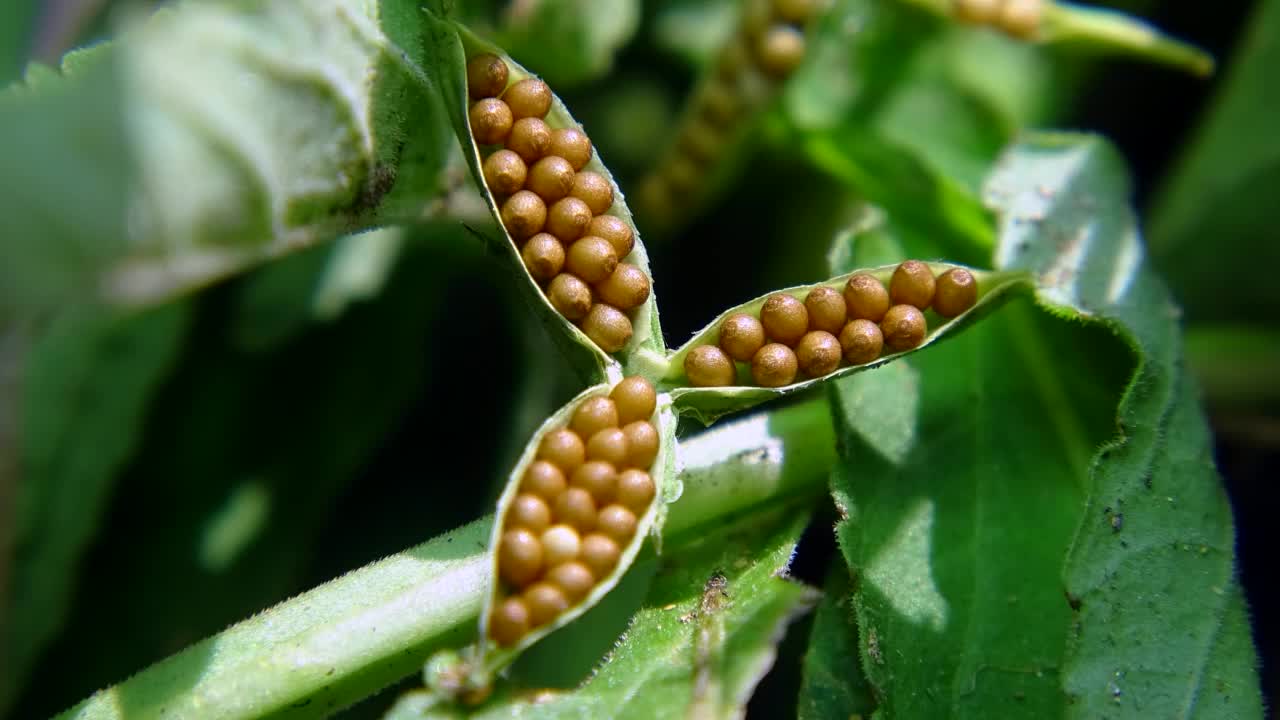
<point>912,284</point>
<point>543,255</point>
<point>591,258</point>
<point>491,121</point>
<point>818,353</point>
<point>600,553</point>
<point>486,76</point>
<point>866,298</point>
<point>528,98</point>
<point>562,448</point>
<point>509,622</point>
<point>780,50</point>
<point>529,511</point>
<point>545,602</point>
<point>551,178</point>
<point>784,318</point>
<point>774,365</point>
<point>568,219</point>
<point>573,145</point>
<point>617,522</point>
<point>594,190</point>
<point>635,490</point>
<point>1022,18</point>
<point>617,232</point>
<point>530,138</point>
<point>719,104</point>
<point>827,309</point>
<point>607,327</point>
<point>977,12</point>
<point>576,507</point>
<point>569,296</point>
<point>609,445</point>
<point>741,335</point>
<point>543,478</point>
<point>524,214</point>
<point>519,557</point>
<point>642,444</point>
<point>504,172</point>
<point>635,399</point>
<point>957,291</point>
<point>628,287</point>
<point>593,415</point>
<point>574,578</point>
<point>560,544</point>
<point>861,341</point>
<point>794,11</point>
<point>903,327</point>
<point>598,478</point>
<point>708,366</point>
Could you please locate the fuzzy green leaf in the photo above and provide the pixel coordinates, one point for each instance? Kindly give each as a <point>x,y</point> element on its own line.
<point>834,683</point>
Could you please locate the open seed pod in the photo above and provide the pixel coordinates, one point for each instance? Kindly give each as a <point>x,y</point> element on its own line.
<point>551,203</point>
<point>779,343</point>
<point>576,512</point>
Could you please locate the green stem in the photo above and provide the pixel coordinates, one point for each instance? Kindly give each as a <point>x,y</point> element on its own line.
<point>353,636</point>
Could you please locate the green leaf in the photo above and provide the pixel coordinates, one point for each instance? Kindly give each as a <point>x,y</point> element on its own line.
<point>1215,211</point>
<point>834,683</point>
<point>1156,522</point>
<point>88,382</point>
<point>209,137</point>
<point>587,37</point>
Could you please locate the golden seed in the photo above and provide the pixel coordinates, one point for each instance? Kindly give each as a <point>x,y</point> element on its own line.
<point>957,291</point>
<point>509,622</point>
<point>1021,18</point>
<point>708,366</point>
<point>528,98</point>
<point>569,296</point>
<point>529,511</point>
<point>780,50</point>
<point>978,12</point>
<point>642,442</point>
<point>784,318</point>
<point>543,255</point>
<point>627,288</point>
<point>591,258</point>
<point>568,219</point>
<point>594,190</point>
<point>866,298</point>
<point>600,553</point>
<point>774,365</point>
<point>719,104</point>
<point>573,145</point>
<point>593,415</point>
<point>524,214</point>
<point>519,557</point>
<point>530,138</point>
<point>903,327</point>
<point>617,522</point>
<point>609,445</point>
<point>608,327</point>
<point>701,142</point>
<point>635,490</point>
<point>504,172</point>
<point>741,335</point>
<point>551,178</point>
<point>635,399</point>
<point>616,231</point>
<point>794,11</point>
<point>490,121</point>
<point>598,478</point>
<point>543,478</point>
<point>576,507</point>
<point>827,309</point>
<point>564,449</point>
<point>818,353</point>
<point>545,602</point>
<point>560,544</point>
<point>486,76</point>
<point>912,284</point>
<point>861,341</point>
<point>574,578</point>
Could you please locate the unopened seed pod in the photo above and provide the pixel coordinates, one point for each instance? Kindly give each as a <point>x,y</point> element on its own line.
<point>504,172</point>
<point>708,366</point>
<point>957,291</point>
<point>486,76</point>
<point>573,145</point>
<point>569,296</point>
<point>608,327</point>
<point>912,284</point>
<point>774,365</point>
<point>491,121</point>
<point>904,327</point>
<point>628,287</point>
<point>528,98</point>
<point>530,138</point>
<point>784,318</point>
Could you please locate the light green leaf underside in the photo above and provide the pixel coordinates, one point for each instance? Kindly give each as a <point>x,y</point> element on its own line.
<point>1156,631</point>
